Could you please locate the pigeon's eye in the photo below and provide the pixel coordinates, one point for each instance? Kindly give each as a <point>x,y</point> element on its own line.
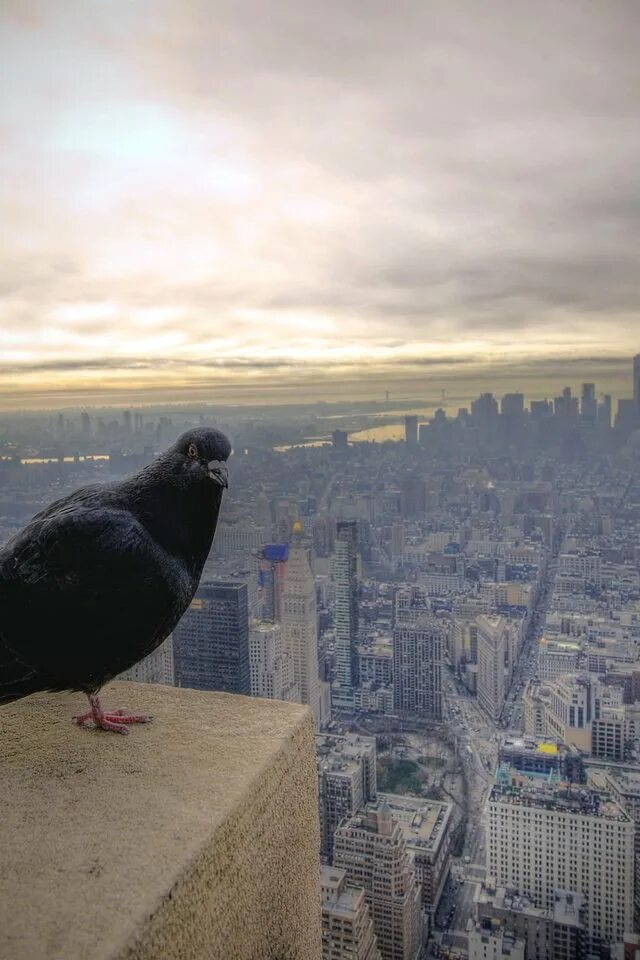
<point>193,450</point>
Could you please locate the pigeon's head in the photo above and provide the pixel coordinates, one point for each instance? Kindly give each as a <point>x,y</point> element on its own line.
<point>205,451</point>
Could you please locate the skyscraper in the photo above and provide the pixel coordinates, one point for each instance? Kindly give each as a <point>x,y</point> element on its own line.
<point>604,413</point>
<point>418,650</point>
<point>411,430</point>
<point>491,653</point>
<point>271,578</point>
<point>300,623</point>
<point>347,927</point>
<point>370,848</point>
<point>346,611</point>
<point>271,663</point>
<point>545,836</point>
<point>347,779</point>
<point>211,642</point>
<point>589,404</point>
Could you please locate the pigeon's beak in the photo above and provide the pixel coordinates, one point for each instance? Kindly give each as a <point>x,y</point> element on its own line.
<point>218,472</point>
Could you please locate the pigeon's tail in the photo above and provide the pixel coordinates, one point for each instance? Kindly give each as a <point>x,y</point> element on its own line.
<point>17,679</point>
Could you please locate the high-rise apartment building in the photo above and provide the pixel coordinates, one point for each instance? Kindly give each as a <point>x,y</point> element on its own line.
<point>211,642</point>
<point>545,836</point>
<point>370,848</point>
<point>492,642</point>
<point>418,651</point>
<point>347,927</point>
<point>271,663</point>
<point>346,611</point>
<point>300,623</point>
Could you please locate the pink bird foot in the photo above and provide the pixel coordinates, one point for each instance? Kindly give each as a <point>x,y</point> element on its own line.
<point>114,720</point>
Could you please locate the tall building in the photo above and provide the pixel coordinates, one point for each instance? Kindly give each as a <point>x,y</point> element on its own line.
<point>340,440</point>
<point>370,848</point>
<point>492,649</point>
<point>418,652</point>
<point>588,404</point>
<point>427,827</point>
<point>625,787</point>
<point>300,623</point>
<point>347,779</point>
<point>271,579</point>
<point>546,835</point>
<point>346,611</point>
<point>636,379</point>
<point>271,663</point>
<point>411,430</point>
<point>604,413</point>
<point>211,642</point>
<point>347,927</point>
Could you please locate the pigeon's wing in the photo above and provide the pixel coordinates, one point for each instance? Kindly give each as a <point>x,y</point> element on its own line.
<point>65,580</point>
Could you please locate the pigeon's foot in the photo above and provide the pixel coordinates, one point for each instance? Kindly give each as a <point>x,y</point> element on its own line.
<point>115,720</point>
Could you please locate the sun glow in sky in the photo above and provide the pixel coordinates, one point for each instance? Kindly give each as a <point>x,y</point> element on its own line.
<point>239,199</point>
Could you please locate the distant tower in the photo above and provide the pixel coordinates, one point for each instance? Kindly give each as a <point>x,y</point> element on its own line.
<point>411,430</point>
<point>340,440</point>
<point>636,379</point>
<point>604,413</point>
<point>300,623</point>
<point>346,610</point>
<point>589,405</point>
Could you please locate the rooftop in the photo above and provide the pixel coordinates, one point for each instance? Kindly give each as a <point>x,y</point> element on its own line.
<point>562,796</point>
<point>423,822</point>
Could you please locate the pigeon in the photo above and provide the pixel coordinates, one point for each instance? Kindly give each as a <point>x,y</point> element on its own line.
<point>99,579</point>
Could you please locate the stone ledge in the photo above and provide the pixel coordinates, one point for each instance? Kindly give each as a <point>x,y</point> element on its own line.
<point>194,837</point>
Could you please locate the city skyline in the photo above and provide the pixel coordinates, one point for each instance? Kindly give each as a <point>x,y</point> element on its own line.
<point>241,207</point>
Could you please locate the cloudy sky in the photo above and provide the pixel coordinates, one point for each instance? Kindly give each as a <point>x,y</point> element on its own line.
<point>238,198</point>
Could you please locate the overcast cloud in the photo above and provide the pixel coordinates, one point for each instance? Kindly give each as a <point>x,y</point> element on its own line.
<point>202,195</point>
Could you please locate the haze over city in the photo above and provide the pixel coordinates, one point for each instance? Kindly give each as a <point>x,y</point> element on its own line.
<point>320,480</point>
<point>242,202</point>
